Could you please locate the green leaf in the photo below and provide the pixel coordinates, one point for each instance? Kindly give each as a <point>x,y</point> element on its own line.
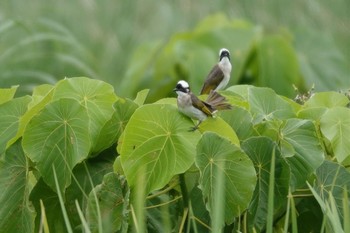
<point>302,149</point>
<point>117,166</point>
<point>171,101</point>
<point>241,90</point>
<point>16,212</point>
<point>141,97</point>
<point>335,126</point>
<point>112,196</point>
<point>40,92</point>
<point>58,137</point>
<point>113,128</point>
<point>259,150</point>
<point>10,115</point>
<point>218,157</point>
<point>235,99</point>
<point>270,128</point>
<point>332,178</point>
<point>278,66</point>
<point>240,120</point>
<point>7,94</point>
<point>42,95</point>
<point>219,126</point>
<point>312,113</point>
<point>265,104</point>
<point>96,96</point>
<point>327,100</point>
<point>157,145</point>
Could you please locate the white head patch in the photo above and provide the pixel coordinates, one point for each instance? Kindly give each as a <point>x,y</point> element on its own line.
<point>223,50</point>
<point>183,83</point>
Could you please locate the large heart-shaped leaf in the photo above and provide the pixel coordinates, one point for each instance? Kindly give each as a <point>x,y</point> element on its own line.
<point>265,104</point>
<point>16,213</point>
<point>156,145</point>
<point>260,150</point>
<point>227,176</point>
<point>58,137</point>
<point>108,204</point>
<point>10,114</point>
<point>335,126</point>
<point>302,148</point>
<point>98,98</point>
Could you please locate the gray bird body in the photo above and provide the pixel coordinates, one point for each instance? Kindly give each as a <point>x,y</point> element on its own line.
<point>185,105</point>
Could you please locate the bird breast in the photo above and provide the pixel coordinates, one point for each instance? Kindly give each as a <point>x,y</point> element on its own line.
<point>225,66</point>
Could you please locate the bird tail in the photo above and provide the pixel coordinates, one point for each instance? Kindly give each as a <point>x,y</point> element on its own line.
<point>217,101</point>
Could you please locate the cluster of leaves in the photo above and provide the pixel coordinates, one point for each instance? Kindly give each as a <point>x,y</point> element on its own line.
<point>59,170</point>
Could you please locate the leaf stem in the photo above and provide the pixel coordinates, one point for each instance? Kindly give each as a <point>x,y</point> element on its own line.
<point>185,200</point>
<point>183,190</point>
<point>201,222</point>
<point>163,191</point>
<point>183,221</point>
<point>162,204</point>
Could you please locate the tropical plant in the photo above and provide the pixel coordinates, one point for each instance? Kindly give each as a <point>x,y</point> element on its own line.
<point>77,157</point>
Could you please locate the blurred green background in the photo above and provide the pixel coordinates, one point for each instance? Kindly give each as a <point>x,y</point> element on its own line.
<point>134,44</point>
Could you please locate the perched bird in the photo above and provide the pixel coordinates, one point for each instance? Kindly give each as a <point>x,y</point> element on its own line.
<point>191,106</point>
<point>219,76</point>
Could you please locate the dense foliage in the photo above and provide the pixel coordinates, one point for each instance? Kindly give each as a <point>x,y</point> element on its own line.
<point>58,151</point>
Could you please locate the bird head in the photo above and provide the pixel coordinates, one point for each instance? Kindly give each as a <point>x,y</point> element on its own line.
<point>182,87</point>
<point>224,53</point>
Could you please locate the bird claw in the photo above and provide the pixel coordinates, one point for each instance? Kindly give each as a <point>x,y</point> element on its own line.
<point>192,129</point>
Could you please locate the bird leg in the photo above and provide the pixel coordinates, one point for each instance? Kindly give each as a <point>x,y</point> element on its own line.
<point>192,129</point>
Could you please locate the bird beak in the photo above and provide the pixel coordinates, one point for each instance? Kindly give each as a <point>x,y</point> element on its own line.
<point>175,89</point>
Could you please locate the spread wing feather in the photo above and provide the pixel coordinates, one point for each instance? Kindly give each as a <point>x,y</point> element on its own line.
<point>217,101</point>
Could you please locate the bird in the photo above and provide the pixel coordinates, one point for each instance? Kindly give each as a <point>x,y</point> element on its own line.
<point>219,76</point>
<point>193,107</point>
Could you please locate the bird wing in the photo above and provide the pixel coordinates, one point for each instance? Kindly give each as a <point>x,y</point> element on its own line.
<point>214,77</point>
<point>201,105</point>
